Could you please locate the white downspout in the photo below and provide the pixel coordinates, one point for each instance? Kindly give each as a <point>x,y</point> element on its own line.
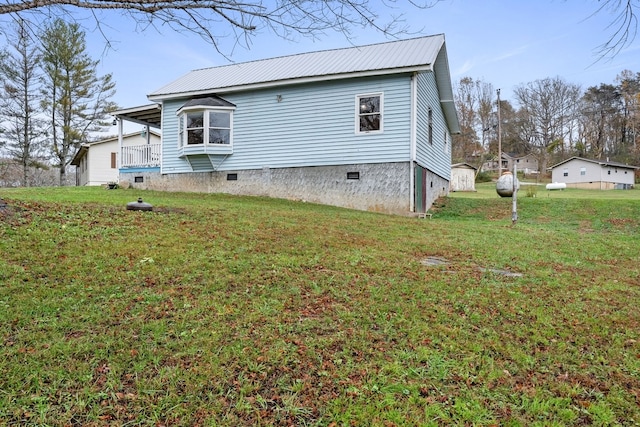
<point>412,142</point>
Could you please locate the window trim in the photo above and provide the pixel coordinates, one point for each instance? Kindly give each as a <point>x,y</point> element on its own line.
<point>357,113</point>
<point>183,129</point>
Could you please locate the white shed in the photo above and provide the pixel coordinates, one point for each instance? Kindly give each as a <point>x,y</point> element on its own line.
<point>463,177</point>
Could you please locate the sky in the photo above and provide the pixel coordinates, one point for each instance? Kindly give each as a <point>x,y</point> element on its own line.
<point>503,42</point>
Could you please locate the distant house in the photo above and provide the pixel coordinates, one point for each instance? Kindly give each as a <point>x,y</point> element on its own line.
<point>365,127</point>
<point>98,163</point>
<point>463,177</point>
<point>578,172</point>
<point>527,163</point>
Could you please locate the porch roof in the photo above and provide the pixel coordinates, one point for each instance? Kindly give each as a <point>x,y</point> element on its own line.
<point>148,115</point>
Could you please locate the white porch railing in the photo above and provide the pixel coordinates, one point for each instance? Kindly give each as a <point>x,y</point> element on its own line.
<point>140,156</point>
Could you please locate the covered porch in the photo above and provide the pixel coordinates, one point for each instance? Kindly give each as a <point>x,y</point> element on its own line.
<point>140,156</point>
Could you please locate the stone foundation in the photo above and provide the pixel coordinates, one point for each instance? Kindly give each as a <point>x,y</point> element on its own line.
<point>370,187</point>
<point>438,187</point>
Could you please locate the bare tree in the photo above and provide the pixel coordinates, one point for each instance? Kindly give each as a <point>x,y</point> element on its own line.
<point>629,86</point>
<point>474,103</point>
<point>549,106</point>
<point>601,128</point>
<point>22,129</point>
<point>467,142</point>
<point>487,117</point>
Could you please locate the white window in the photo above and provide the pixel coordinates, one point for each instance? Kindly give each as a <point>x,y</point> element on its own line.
<point>369,113</point>
<point>205,126</point>
<point>583,171</point>
<point>565,172</point>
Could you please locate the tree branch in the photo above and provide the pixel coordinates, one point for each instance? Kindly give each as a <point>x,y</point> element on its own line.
<point>212,19</point>
<point>625,26</point>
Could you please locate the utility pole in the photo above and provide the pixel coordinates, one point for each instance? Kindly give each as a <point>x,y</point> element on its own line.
<point>499,139</point>
<point>514,196</point>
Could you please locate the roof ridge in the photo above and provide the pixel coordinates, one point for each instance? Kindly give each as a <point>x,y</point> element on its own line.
<point>336,49</point>
<point>399,55</point>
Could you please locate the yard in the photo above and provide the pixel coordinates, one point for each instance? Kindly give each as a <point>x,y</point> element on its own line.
<point>215,310</point>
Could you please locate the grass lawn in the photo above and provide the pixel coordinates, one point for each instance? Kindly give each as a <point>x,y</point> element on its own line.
<point>215,310</point>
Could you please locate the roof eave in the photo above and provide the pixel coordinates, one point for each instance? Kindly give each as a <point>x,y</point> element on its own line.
<point>445,89</point>
<point>597,162</point>
<point>147,115</point>
<point>82,151</point>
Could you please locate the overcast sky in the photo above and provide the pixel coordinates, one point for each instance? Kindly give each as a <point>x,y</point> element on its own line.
<point>504,42</point>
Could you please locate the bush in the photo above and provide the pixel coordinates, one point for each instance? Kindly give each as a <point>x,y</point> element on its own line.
<point>483,177</point>
<point>532,190</point>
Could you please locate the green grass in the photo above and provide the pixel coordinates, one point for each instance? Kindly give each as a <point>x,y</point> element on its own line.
<point>216,310</point>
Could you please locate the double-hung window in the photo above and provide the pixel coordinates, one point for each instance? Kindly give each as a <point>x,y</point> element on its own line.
<point>369,113</point>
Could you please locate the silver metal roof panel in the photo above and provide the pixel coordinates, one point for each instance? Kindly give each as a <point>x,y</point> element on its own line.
<point>402,55</point>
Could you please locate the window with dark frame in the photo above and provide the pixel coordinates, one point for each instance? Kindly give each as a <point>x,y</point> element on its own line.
<point>430,116</point>
<point>446,145</point>
<point>353,175</point>
<point>232,177</point>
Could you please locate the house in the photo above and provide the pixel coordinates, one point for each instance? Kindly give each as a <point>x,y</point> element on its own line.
<point>463,177</point>
<point>365,127</point>
<point>578,172</point>
<point>98,163</point>
<point>527,163</point>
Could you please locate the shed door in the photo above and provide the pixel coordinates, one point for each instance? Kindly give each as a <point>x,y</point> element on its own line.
<point>420,196</point>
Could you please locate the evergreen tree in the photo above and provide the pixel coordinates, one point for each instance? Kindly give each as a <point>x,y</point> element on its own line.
<point>21,129</point>
<point>75,98</point>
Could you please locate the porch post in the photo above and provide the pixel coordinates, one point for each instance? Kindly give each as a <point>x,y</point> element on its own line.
<point>119,155</point>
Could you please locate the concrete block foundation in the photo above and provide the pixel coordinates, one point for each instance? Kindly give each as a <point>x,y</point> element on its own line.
<point>381,187</point>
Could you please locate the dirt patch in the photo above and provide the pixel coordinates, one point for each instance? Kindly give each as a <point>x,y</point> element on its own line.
<point>435,261</point>
<point>6,211</point>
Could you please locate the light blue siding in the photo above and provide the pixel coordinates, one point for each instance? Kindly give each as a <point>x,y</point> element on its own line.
<point>436,156</point>
<point>171,163</point>
<point>305,125</point>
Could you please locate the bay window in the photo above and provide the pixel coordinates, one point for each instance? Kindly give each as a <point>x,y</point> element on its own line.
<point>205,126</point>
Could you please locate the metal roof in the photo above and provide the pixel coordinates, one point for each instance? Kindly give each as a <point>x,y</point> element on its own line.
<point>395,56</point>
<point>149,115</point>
<point>209,101</point>
<point>596,161</point>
